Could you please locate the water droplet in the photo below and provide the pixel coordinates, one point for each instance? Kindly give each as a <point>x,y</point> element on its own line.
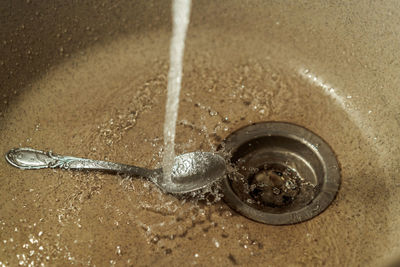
<point>118,251</point>
<point>216,243</point>
<point>213,113</point>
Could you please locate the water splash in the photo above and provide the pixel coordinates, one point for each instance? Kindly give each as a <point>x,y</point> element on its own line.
<point>181,12</point>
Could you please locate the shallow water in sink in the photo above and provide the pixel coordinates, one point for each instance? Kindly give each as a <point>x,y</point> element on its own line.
<point>108,103</point>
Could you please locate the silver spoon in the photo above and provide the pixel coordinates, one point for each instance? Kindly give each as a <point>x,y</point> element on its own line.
<point>191,171</point>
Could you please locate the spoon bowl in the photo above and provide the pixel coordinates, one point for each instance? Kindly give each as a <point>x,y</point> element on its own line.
<point>194,171</point>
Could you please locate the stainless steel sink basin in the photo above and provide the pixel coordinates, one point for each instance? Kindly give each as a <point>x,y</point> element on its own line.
<point>89,79</point>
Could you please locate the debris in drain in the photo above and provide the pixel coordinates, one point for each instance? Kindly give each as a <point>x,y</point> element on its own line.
<point>271,187</point>
<point>274,187</point>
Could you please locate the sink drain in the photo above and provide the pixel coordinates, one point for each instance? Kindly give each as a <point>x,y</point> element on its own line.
<point>283,173</point>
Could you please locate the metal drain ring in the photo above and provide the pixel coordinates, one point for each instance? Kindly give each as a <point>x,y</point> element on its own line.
<point>272,140</point>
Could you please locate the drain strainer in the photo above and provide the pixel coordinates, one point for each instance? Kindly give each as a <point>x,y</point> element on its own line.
<point>283,173</point>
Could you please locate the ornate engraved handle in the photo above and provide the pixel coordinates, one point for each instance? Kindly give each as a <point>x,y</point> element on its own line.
<point>32,159</point>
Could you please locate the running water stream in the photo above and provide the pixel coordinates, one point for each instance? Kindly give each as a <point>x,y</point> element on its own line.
<point>180,13</point>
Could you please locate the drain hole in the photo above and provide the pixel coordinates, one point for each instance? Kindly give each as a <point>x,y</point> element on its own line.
<point>283,173</point>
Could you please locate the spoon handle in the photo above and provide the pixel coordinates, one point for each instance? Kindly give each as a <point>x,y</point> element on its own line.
<point>32,159</point>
